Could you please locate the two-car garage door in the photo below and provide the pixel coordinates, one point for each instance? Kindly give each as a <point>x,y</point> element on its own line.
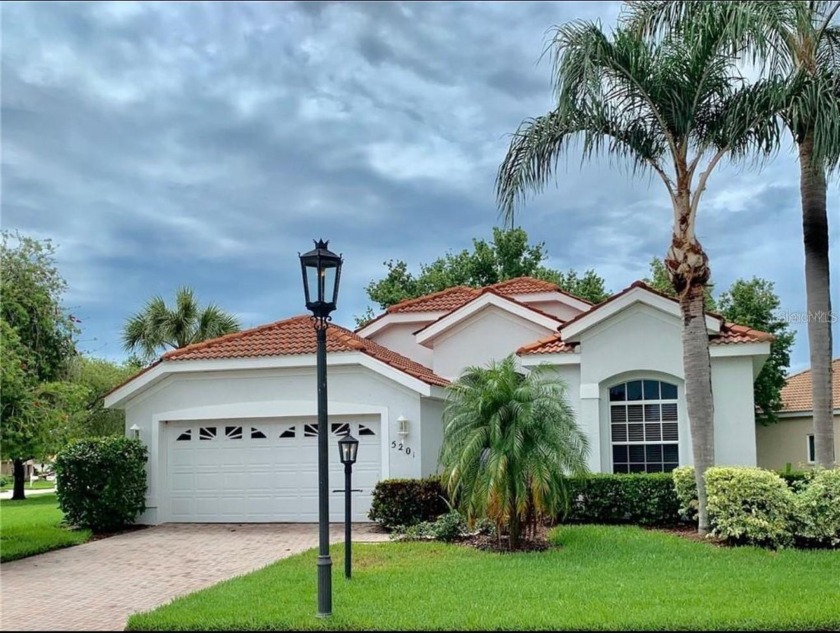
<point>236,471</point>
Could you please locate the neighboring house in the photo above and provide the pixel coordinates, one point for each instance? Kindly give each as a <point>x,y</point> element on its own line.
<point>231,423</point>
<point>791,439</point>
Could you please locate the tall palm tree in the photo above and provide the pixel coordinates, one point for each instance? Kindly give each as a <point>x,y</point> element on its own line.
<point>799,41</point>
<point>157,327</point>
<point>675,107</point>
<point>508,440</point>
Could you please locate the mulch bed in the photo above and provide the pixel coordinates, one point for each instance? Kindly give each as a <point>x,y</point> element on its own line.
<point>489,543</point>
<point>690,532</point>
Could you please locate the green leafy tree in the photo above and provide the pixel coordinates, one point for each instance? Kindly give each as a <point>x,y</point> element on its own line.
<point>38,347</point>
<point>508,256</point>
<point>754,303</point>
<point>509,438</point>
<point>800,42</point>
<point>675,107</point>
<point>158,327</point>
<point>96,377</point>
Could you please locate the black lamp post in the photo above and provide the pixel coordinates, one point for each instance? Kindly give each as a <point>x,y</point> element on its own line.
<point>321,270</point>
<point>348,448</point>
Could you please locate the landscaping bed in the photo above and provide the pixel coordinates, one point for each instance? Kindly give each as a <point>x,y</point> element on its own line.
<point>599,578</point>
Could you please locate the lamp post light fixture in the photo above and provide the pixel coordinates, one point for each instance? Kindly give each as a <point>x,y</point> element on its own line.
<point>348,448</point>
<point>321,269</point>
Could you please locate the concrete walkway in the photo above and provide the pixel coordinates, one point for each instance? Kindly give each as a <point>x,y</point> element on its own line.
<point>96,586</point>
<point>28,492</point>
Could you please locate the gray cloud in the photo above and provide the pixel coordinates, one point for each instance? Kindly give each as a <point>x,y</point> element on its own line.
<point>169,143</point>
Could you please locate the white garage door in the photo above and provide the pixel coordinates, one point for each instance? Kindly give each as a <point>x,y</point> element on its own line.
<point>237,471</point>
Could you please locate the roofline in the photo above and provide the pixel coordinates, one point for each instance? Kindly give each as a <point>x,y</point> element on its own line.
<point>156,373</point>
<point>800,413</point>
<point>426,332</point>
<point>381,322</point>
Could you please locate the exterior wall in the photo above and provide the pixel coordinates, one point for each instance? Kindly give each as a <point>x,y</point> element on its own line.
<point>399,337</point>
<point>269,393</point>
<point>555,308</point>
<point>642,342</point>
<point>732,388</point>
<point>786,442</point>
<point>490,334</point>
<point>431,433</point>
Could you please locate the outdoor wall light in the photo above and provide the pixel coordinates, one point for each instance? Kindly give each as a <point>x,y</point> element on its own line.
<point>402,421</point>
<point>135,431</point>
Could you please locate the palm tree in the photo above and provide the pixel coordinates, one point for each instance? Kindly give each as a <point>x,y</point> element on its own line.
<point>508,440</point>
<point>157,327</point>
<point>798,41</point>
<point>675,107</point>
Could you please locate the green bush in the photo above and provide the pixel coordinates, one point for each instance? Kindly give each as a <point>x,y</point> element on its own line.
<point>407,502</point>
<point>4,481</point>
<point>640,499</point>
<point>750,506</point>
<point>817,513</point>
<point>447,528</point>
<point>101,482</point>
<point>686,489</point>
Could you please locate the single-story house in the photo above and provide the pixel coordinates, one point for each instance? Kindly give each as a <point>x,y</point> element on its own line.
<point>231,423</point>
<point>791,439</point>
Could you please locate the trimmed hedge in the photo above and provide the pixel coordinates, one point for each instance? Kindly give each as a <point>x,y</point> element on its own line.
<point>640,499</point>
<point>101,482</point>
<point>406,502</point>
<point>817,520</point>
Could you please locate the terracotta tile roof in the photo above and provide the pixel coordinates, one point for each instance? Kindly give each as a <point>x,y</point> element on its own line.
<point>549,345</point>
<point>797,395</point>
<point>733,333</point>
<point>445,300</point>
<point>297,336</point>
<point>453,298</point>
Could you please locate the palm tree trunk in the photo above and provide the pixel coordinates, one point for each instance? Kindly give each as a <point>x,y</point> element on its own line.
<point>688,269</point>
<point>815,233</point>
<point>19,474</point>
<point>698,392</point>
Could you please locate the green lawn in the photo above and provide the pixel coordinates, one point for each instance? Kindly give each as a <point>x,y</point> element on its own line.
<point>33,526</point>
<point>40,484</point>
<point>600,578</point>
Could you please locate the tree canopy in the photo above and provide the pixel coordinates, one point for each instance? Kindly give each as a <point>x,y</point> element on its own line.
<point>507,256</point>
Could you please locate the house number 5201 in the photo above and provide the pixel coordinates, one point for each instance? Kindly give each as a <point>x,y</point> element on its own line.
<point>399,446</point>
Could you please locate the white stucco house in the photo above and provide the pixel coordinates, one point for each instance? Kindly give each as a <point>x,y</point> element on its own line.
<point>231,423</point>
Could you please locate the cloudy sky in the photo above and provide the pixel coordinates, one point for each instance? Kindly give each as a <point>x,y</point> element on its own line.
<point>207,144</point>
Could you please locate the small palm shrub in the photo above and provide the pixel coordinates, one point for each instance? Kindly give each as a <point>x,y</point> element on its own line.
<point>817,512</point>
<point>509,438</point>
<point>750,506</point>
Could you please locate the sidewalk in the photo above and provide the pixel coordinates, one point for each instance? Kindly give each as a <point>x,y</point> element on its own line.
<point>28,492</point>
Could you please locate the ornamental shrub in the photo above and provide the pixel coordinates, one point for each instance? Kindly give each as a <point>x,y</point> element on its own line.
<point>750,506</point>
<point>447,528</point>
<point>407,502</point>
<point>640,499</point>
<point>817,513</point>
<point>101,482</point>
<point>686,489</point>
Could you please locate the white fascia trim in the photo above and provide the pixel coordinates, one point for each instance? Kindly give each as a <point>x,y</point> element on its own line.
<point>801,414</point>
<point>399,317</point>
<point>478,304</point>
<point>566,358</point>
<point>636,295</point>
<point>760,348</point>
<point>335,359</point>
<point>559,297</point>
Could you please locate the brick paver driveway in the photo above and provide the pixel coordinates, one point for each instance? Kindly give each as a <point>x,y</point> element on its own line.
<point>97,585</point>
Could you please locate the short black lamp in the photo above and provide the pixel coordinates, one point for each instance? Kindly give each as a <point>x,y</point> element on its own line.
<point>348,448</point>
<point>321,270</point>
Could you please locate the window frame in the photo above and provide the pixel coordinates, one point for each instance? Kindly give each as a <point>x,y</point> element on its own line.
<point>810,449</point>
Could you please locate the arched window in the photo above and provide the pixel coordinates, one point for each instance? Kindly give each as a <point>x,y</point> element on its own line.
<point>644,431</point>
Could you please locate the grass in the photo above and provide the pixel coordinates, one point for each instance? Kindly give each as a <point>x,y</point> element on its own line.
<point>33,526</point>
<point>40,484</point>
<point>601,577</point>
